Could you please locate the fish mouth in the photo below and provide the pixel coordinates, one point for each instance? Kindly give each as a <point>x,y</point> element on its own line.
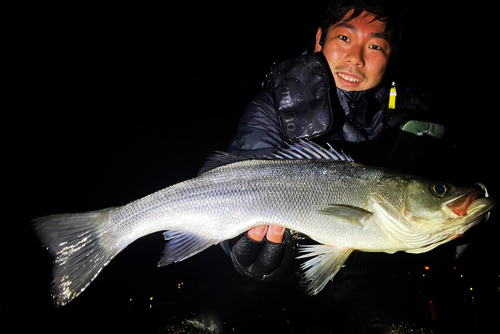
<point>472,201</point>
<point>460,204</point>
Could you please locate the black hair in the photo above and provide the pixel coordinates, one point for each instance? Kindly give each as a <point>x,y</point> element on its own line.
<point>388,11</point>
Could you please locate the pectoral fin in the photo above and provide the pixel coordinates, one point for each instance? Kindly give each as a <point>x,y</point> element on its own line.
<point>325,264</point>
<point>350,214</point>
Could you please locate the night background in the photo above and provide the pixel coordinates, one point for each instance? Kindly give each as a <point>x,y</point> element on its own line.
<point>114,103</point>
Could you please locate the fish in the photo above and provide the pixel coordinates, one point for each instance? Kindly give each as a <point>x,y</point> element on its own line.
<point>320,192</point>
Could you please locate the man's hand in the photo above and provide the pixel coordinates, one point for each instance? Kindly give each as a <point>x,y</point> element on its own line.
<point>273,233</point>
<point>265,253</point>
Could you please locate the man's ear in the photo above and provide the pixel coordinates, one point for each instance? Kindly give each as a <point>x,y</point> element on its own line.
<point>318,47</point>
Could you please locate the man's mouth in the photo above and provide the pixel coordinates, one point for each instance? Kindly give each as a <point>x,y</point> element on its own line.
<point>348,77</point>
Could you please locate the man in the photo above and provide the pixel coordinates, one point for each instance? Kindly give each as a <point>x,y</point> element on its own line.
<point>339,94</point>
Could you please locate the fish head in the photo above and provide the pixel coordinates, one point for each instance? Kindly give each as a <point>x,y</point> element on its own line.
<point>440,204</point>
<point>424,213</point>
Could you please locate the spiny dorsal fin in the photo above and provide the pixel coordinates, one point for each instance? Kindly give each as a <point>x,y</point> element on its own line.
<point>301,149</point>
<point>305,149</point>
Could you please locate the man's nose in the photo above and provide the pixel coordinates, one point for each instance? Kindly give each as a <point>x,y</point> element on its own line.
<point>355,56</point>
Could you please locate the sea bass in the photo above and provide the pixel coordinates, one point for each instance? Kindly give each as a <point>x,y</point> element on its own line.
<point>342,205</point>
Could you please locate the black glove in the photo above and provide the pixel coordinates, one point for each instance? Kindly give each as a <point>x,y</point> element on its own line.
<point>265,260</point>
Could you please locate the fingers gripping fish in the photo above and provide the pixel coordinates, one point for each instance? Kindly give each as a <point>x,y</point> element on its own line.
<point>322,193</point>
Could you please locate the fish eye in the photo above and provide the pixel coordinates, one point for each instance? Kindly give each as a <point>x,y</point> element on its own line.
<point>439,189</point>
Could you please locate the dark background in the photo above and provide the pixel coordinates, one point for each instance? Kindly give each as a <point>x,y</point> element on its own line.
<point>113,103</point>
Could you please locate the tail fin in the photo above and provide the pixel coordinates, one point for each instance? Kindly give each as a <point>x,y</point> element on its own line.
<point>78,251</point>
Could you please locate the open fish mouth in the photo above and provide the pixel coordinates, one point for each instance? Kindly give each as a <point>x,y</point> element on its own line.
<point>460,205</point>
<point>472,206</point>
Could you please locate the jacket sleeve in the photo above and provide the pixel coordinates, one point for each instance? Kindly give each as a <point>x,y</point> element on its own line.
<point>259,131</point>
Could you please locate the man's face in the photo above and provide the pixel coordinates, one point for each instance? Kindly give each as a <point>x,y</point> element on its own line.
<point>357,52</point>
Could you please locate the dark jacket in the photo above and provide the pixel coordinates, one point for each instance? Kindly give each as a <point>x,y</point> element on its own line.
<point>300,100</point>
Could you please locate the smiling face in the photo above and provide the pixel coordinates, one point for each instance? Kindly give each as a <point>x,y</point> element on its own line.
<point>357,51</point>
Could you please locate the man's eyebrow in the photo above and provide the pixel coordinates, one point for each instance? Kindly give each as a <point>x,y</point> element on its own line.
<point>347,26</point>
<point>381,35</point>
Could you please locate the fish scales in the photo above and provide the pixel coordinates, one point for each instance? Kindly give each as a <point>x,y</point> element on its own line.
<point>231,199</point>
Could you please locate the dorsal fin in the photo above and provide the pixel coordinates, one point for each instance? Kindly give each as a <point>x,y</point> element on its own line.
<point>305,149</point>
<point>219,158</point>
<point>301,149</point>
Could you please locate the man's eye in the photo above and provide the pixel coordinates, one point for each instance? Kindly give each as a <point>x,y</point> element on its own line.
<point>344,38</point>
<point>375,47</point>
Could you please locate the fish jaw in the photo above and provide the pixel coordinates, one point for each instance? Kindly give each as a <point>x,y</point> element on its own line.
<point>478,210</point>
<point>460,205</point>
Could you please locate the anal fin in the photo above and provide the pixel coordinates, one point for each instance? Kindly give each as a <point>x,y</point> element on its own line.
<point>182,245</point>
<point>326,262</point>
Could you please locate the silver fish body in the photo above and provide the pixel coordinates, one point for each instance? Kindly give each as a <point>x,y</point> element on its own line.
<point>225,202</point>
<point>342,205</point>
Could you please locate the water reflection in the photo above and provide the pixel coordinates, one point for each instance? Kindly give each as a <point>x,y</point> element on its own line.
<point>427,299</point>
<point>200,324</point>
